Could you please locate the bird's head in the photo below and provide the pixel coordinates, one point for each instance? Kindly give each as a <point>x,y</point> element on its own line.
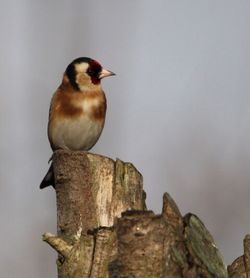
<point>85,74</point>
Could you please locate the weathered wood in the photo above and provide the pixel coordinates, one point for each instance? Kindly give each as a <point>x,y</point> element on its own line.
<point>240,268</point>
<point>247,254</point>
<point>104,229</point>
<point>237,268</point>
<point>144,240</point>
<point>91,191</point>
<point>202,249</point>
<point>166,245</point>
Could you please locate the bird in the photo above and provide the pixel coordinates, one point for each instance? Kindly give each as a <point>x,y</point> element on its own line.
<point>77,109</point>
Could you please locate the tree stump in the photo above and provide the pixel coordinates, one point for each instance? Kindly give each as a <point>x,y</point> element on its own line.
<point>91,192</point>
<point>104,229</point>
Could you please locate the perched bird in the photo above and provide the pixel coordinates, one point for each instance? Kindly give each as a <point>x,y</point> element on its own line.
<point>77,109</point>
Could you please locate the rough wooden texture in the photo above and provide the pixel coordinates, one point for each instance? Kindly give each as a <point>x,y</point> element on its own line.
<point>237,268</point>
<point>144,240</point>
<point>166,245</point>
<point>104,229</point>
<point>201,246</point>
<point>91,191</point>
<point>240,268</point>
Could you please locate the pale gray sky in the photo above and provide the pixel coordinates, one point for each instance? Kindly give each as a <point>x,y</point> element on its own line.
<point>178,109</point>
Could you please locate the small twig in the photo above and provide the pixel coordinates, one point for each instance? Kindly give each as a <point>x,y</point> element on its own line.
<point>61,246</point>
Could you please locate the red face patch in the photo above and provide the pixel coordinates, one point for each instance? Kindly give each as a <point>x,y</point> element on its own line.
<point>94,71</point>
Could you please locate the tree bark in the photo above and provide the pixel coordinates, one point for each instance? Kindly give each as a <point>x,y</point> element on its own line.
<point>104,229</point>
<point>91,192</point>
<point>166,245</point>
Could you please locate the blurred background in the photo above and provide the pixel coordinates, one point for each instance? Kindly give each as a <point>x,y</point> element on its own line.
<point>178,109</point>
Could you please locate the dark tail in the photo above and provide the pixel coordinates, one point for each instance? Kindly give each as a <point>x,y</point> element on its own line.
<point>48,179</point>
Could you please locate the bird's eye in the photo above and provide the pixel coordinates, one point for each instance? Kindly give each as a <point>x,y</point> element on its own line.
<point>91,72</point>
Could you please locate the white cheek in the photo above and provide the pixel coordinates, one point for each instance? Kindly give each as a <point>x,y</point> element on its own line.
<point>82,67</point>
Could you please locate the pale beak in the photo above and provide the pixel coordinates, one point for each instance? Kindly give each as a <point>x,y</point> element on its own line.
<point>105,73</point>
